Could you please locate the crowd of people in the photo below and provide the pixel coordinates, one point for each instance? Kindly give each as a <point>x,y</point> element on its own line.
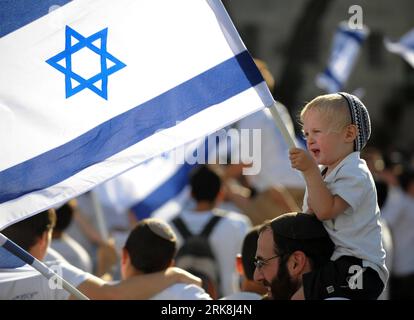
<point>333,220</point>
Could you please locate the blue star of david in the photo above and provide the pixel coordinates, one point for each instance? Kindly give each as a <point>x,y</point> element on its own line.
<point>93,82</point>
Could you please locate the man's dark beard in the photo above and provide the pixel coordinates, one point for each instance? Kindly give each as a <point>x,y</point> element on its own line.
<point>282,286</point>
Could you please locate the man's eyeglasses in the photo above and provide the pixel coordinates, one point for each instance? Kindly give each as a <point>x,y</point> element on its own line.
<point>259,263</point>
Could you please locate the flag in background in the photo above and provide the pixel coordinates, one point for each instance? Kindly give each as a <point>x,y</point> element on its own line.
<point>345,48</point>
<point>404,47</point>
<point>148,187</point>
<point>159,187</point>
<point>97,87</point>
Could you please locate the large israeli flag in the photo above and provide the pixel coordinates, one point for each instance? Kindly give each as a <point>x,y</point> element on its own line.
<point>96,87</point>
<point>345,49</point>
<point>404,47</point>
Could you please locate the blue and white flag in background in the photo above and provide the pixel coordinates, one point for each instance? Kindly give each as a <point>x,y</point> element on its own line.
<point>160,187</point>
<point>404,47</point>
<point>96,87</point>
<point>154,187</point>
<point>345,48</point>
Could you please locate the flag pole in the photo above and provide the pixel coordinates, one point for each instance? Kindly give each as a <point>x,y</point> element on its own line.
<point>39,266</point>
<point>282,127</point>
<point>102,227</point>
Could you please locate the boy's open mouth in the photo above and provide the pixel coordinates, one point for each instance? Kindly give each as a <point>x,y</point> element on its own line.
<point>315,152</point>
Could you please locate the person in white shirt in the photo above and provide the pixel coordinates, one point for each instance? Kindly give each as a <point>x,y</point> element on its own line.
<point>249,289</point>
<point>382,195</point>
<point>26,283</point>
<point>227,236</point>
<point>398,211</point>
<point>69,248</point>
<point>22,282</point>
<point>343,195</point>
<point>151,247</point>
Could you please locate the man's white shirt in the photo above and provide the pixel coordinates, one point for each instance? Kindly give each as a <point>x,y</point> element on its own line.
<point>26,283</point>
<point>225,240</point>
<point>398,213</point>
<point>73,252</point>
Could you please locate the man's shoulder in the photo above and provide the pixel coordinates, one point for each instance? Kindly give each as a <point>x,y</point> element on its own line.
<point>182,291</point>
<point>233,218</point>
<point>22,283</point>
<point>24,272</point>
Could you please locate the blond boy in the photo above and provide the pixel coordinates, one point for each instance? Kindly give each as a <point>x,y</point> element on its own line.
<point>341,193</point>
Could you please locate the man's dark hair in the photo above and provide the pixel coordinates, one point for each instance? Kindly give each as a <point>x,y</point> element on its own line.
<point>301,232</point>
<point>205,184</point>
<point>26,232</point>
<point>248,252</point>
<point>151,246</point>
<point>63,217</point>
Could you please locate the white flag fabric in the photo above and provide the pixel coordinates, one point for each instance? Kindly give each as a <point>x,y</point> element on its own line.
<point>404,47</point>
<point>345,48</point>
<point>96,87</point>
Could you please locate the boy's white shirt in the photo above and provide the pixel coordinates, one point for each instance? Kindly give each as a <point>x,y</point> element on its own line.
<point>357,231</point>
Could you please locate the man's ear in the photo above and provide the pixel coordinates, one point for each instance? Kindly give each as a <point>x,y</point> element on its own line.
<point>220,196</point>
<point>125,257</point>
<point>172,263</point>
<point>239,265</point>
<point>39,249</point>
<point>351,133</point>
<point>296,263</point>
<point>44,240</point>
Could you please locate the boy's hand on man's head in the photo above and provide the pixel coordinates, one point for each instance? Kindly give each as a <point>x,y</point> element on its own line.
<point>301,160</point>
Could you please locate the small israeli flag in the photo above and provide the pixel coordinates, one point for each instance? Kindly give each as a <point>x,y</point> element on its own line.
<point>346,45</point>
<point>404,47</point>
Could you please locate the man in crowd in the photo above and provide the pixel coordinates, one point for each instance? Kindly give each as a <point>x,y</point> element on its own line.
<point>289,247</point>
<point>34,235</point>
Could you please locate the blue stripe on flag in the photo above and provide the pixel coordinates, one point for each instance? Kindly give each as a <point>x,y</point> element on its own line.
<point>12,256</point>
<point>172,187</point>
<point>164,193</point>
<point>408,40</point>
<point>330,77</point>
<point>357,36</point>
<point>15,14</point>
<point>214,86</point>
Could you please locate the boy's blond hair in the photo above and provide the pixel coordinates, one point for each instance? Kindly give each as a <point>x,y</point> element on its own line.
<point>332,108</point>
